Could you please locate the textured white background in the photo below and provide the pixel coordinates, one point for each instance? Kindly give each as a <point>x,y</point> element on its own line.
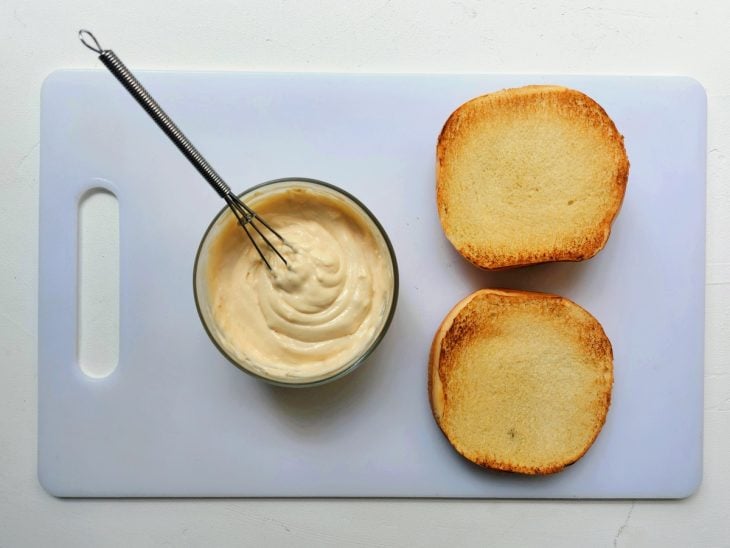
<point>645,37</point>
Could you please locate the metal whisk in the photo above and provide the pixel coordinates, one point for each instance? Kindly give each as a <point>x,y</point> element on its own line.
<point>246,216</point>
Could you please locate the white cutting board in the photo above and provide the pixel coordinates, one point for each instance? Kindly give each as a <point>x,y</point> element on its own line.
<point>176,419</point>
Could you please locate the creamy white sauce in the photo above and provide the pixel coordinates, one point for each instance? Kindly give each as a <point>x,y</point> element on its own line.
<point>313,318</point>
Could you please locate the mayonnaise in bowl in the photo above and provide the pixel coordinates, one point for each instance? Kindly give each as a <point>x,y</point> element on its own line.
<point>316,317</point>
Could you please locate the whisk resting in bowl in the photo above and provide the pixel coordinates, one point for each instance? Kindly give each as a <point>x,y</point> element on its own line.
<point>245,216</point>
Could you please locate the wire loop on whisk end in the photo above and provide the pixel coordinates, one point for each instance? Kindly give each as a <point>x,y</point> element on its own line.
<point>96,47</point>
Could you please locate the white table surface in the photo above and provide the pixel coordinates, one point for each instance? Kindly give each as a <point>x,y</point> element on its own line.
<point>648,37</point>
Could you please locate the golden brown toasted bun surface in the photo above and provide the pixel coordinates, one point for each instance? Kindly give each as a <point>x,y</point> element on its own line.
<point>520,381</point>
<point>529,175</point>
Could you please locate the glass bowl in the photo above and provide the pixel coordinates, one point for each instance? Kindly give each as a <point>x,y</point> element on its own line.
<point>200,279</point>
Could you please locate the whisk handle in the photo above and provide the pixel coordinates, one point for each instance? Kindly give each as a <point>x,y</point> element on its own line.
<point>146,101</point>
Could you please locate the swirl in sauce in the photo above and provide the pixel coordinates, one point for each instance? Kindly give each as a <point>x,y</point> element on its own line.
<point>311,319</point>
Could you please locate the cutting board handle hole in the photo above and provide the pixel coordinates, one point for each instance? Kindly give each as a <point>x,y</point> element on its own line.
<point>98,283</point>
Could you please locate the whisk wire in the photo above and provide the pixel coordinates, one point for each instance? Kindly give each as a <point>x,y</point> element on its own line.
<point>255,215</point>
<point>253,242</point>
<point>246,217</point>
